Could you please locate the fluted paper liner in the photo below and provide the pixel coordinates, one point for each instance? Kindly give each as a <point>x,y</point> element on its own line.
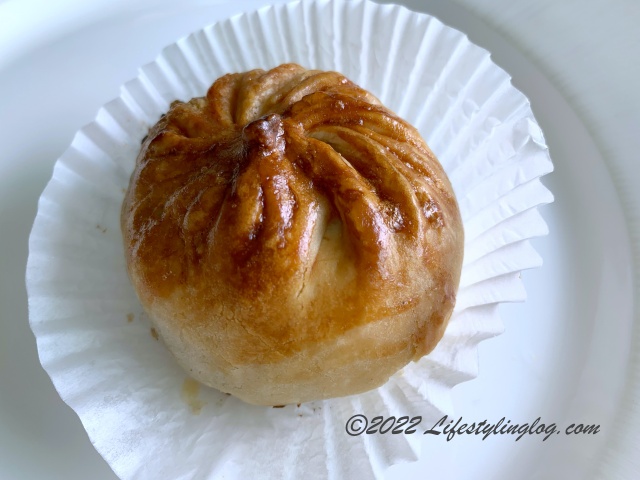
<point>140,411</point>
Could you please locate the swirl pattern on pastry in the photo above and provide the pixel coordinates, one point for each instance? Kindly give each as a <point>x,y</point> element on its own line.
<point>290,237</point>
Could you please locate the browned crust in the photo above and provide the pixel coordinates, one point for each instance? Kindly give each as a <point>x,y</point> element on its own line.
<point>286,208</point>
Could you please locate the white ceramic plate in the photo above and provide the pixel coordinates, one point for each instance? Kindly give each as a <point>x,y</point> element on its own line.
<point>562,356</point>
<point>126,388</point>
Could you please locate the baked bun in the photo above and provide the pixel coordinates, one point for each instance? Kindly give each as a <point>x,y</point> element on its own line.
<point>290,238</point>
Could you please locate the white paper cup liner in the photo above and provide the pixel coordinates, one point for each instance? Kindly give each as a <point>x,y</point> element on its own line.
<point>92,335</point>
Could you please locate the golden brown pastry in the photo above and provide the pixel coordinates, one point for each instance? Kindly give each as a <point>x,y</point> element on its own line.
<point>291,238</point>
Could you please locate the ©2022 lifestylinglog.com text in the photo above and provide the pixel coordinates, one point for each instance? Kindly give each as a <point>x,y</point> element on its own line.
<point>359,424</point>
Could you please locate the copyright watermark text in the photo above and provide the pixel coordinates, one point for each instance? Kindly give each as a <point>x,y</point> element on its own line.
<point>359,424</point>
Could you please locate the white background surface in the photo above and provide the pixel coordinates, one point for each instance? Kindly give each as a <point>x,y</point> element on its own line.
<point>566,354</point>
